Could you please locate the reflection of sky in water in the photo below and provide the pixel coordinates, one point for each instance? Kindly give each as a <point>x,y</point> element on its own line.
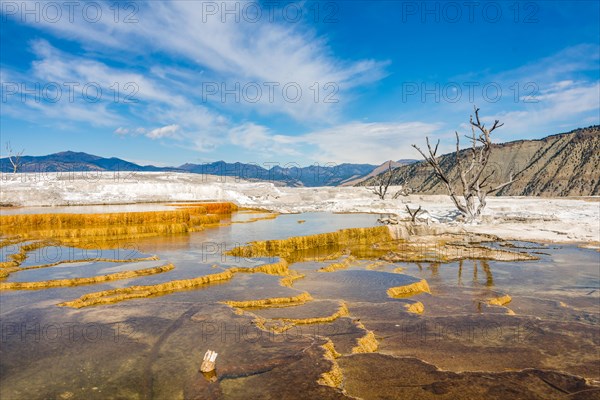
<point>563,268</point>
<point>171,329</point>
<point>193,254</point>
<point>200,253</point>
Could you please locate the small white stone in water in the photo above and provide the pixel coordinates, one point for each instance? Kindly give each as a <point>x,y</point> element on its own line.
<point>208,363</point>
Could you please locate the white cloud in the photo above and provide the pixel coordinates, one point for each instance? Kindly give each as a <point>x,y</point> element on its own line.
<point>170,103</point>
<point>118,86</point>
<point>354,142</point>
<point>359,142</point>
<point>232,52</point>
<point>169,131</point>
<point>560,104</point>
<point>546,96</point>
<point>259,138</point>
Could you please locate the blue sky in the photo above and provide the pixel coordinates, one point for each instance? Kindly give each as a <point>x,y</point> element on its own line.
<point>290,82</point>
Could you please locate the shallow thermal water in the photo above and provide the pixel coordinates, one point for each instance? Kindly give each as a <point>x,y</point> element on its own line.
<point>151,348</point>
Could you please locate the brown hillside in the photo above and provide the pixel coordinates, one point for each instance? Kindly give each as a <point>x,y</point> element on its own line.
<point>567,164</point>
<point>354,181</point>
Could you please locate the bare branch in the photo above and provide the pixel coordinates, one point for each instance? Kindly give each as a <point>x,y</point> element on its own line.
<point>495,189</point>
<point>413,213</point>
<point>383,182</point>
<point>471,171</point>
<point>495,126</point>
<point>14,159</point>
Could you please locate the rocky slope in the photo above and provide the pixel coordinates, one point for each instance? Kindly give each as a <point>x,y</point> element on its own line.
<point>566,164</point>
<point>355,180</point>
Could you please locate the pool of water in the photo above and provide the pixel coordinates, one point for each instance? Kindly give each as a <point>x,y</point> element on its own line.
<point>151,348</point>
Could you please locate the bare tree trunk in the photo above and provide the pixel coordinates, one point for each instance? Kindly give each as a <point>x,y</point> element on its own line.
<point>383,182</point>
<point>15,159</point>
<point>413,214</point>
<point>474,186</point>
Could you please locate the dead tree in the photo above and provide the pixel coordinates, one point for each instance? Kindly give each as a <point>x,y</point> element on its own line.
<point>382,182</point>
<point>402,192</point>
<point>470,167</point>
<point>15,159</point>
<point>402,179</point>
<point>413,213</point>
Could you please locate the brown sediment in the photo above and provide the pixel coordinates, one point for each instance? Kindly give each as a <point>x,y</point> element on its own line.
<point>409,290</point>
<point>91,260</point>
<point>9,264</point>
<point>277,268</point>
<point>374,265</point>
<point>415,308</point>
<point>259,322</point>
<point>378,242</point>
<point>20,256</point>
<point>288,280</point>
<point>10,241</point>
<point>366,344</point>
<point>328,256</point>
<point>254,210</point>
<point>398,270</point>
<point>591,245</point>
<point>427,244</point>
<point>255,219</point>
<point>329,346</point>
<point>136,292</point>
<point>73,228</point>
<point>85,281</point>
<point>6,271</point>
<point>341,312</point>
<point>280,325</point>
<point>8,267</point>
<point>500,301</point>
<point>271,302</point>
<point>334,377</point>
<point>268,325</point>
<point>339,265</point>
<point>91,234</point>
<point>432,251</point>
<point>74,221</point>
<point>211,208</point>
<point>287,246</point>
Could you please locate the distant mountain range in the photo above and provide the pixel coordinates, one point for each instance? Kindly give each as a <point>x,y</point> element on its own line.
<point>68,161</point>
<point>566,164</point>
<point>378,170</point>
<point>315,175</point>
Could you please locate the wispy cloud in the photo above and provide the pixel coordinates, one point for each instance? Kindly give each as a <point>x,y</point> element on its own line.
<point>542,97</point>
<point>358,142</point>
<point>182,78</point>
<point>169,131</point>
<point>353,142</point>
<point>265,53</point>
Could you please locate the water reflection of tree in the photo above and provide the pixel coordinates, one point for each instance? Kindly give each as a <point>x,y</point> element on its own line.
<point>485,267</point>
<point>435,269</point>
